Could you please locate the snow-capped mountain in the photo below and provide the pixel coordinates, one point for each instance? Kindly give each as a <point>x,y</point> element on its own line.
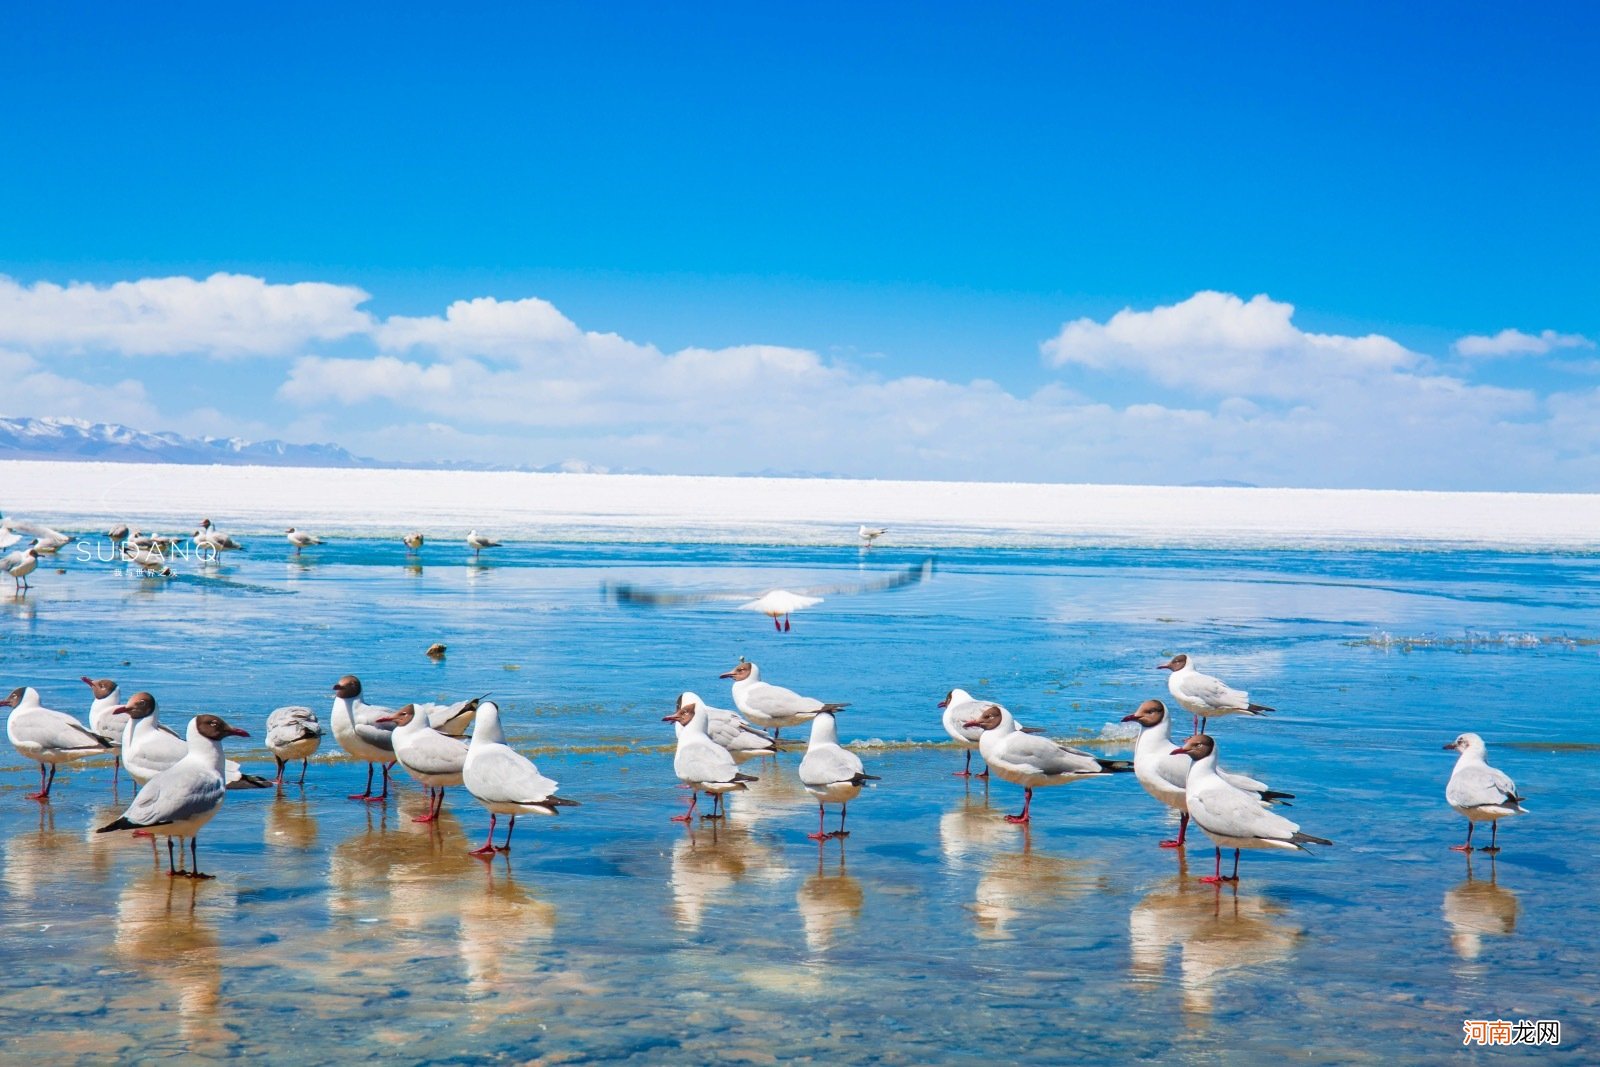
<point>53,438</point>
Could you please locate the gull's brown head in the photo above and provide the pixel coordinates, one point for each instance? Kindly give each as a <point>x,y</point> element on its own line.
<point>741,672</point>
<point>986,721</point>
<point>213,727</point>
<point>347,688</point>
<point>1197,747</point>
<point>101,687</point>
<point>1176,663</point>
<point>1150,713</point>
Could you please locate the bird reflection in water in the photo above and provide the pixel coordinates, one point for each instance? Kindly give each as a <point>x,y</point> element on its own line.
<point>1017,882</point>
<point>163,934</point>
<point>829,901</point>
<point>972,831</point>
<point>38,862</point>
<point>777,795</point>
<point>1218,932</point>
<point>708,861</point>
<point>501,929</point>
<point>290,824</point>
<point>1477,909</point>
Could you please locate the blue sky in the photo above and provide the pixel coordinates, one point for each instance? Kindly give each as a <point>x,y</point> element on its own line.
<point>910,201</point>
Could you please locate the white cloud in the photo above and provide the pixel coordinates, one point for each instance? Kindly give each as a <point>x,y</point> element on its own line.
<point>223,315</point>
<point>33,390</point>
<point>1217,344</point>
<point>1517,343</point>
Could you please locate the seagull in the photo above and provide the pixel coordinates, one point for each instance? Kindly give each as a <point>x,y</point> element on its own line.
<point>478,542</point>
<point>776,604</point>
<point>1230,816</point>
<point>209,537</point>
<point>47,737</point>
<point>183,798</point>
<point>1164,774</point>
<point>357,728</point>
<point>149,747</point>
<point>1023,759</point>
<point>119,533</point>
<point>106,717</point>
<point>413,541</point>
<point>831,773</point>
<point>8,537</point>
<point>869,534</point>
<point>701,763</point>
<point>293,733</point>
<point>743,741</point>
<point>452,719</point>
<point>771,707</point>
<point>503,780</point>
<point>1203,696</point>
<point>21,564</point>
<point>956,715</point>
<point>45,539</point>
<point>149,560</point>
<point>300,539</point>
<point>432,758</point>
<point>1479,791</point>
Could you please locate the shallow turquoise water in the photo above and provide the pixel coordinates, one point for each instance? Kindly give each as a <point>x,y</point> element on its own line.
<point>936,931</point>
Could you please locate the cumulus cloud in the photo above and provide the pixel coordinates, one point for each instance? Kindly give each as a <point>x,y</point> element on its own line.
<point>33,389</point>
<point>1218,344</point>
<point>1516,343</point>
<point>223,315</point>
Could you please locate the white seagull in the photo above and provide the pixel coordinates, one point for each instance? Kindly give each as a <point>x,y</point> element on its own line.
<point>503,780</point>
<point>359,731</point>
<point>1165,775</point>
<point>831,773</point>
<point>1203,696</point>
<point>771,707</point>
<point>1029,761</point>
<point>1480,792</point>
<point>49,738</point>
<point>776,604</point>
<point>149,747</point>
<point>107,717</point>
<point>20,564</point>
<point>478,542</point>
<point>869,534</point>
<point>960,707</point>
<point>300,539</point>
<point>178,802</point>
<point>150,560</point>
<point>432,758</point>
<point>48,541</point>
<point>452,719</point>
<point>1230,816</point>
<point>743,741</point>
<point>701,763</point>
<point>293,733</point>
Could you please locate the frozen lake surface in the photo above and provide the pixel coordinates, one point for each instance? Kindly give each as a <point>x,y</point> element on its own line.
<point>935,931</point>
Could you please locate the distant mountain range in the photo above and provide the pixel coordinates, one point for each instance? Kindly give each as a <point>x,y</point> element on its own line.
<point>105,442</point>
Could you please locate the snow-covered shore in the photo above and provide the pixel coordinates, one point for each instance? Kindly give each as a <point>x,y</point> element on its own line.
<point>94,496</point>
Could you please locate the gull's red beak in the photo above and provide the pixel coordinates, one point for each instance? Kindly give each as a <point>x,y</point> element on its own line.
<point>726,674</point>
<point>236,732</point>
<point>942,703</point>
<point>1179,751</point>
<point>384,718</point>
<point>1130,718</point>
<point>1167,666</point>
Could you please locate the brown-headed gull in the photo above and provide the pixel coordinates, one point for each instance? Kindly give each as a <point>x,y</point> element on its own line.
<point>1230,816</point>
<point>149,747</point>
<point>1029,761</point>
<point>702,764</point>
<point>293,733</point>
<point>19,565</point>
<point>478,542</point>
<point>870,534</point>
<point>743,741</point>
<point>432,758</point>
<point>209,538</point>
<point>178,802</point>
<point>959,708</point>
<point>149,560</point>
<point>357,728</point>
<point>1165,775</point>
<point>503,780</point>
<point>49,738</point>
<point>831,773</point>
<point>119,533</point>
<point>776,604</point>
<point>48,541</point>
<point>1203,696</point>
<point>413,541</point>
<point>300,539</point>
<point>107,717</point>
<point>768,706</point>
<point>1480,792</point>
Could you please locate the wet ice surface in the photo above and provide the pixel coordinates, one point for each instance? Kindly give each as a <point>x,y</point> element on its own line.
<point>934,931</point>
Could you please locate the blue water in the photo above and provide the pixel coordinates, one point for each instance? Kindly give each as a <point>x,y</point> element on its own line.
<point>936,931</point>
